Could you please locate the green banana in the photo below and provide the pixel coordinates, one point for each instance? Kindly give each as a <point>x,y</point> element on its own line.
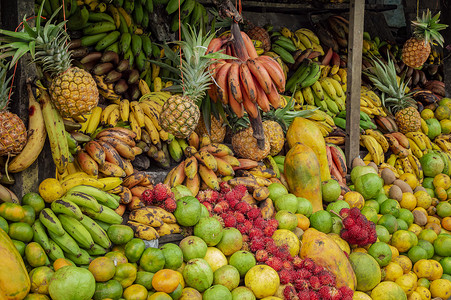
<point>140,61</point>
<point>125,42</point>
<point>196,15</point>
<point>136,44</point>
<point>367,125</point>
<point>108,40</point>
<point>284,54</point>
<point>279,159</point>
<point>313,76</point>
<point>175,23</point>
<point>146,20</point>
<point>118,3</point>
<point>129,56</point>
<point>285,43</point>
<point>331,105</point>
<point>98,194</point>
<point>146,45</point>
<point>66,243</point>
<point>148,6</point>
<point>138,13</point>
<point>67,207</point>
<point>104,225</point>
<point>299,75</point>
<point>113,47</point>
<point>96,250</point>
<point>173,6</point>
<point>340,122</point>
<point>78,20</point>
<point>99,27</point>
<point>129,6</point>
<point>83,200</point>
<point>364,116</point>
<point>97,233</point>
<point>82,259</point>
<point>98,17</point>
<point>55,251</point>
<point>91,40</point>
<point>51,222</point>
<point>123,27</point>
<point>40,236</point>
<point>71,142</point>
<point>106,215</point>
<point>77,231</point>
<point>175,150</point>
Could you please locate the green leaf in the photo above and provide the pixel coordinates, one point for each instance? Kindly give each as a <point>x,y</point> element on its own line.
<point>206,113</point>
<point>19,53</point>
<point>166,66</point>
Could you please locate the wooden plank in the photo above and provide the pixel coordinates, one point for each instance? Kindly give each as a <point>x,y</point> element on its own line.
<point>446,19</point>
<point>356,17</point>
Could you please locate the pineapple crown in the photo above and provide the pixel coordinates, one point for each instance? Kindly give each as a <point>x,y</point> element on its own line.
<point>384,79</point>
<point>193,72</point>
<point>48,44</point>
<point>4,85</point>
<point>427,28</point>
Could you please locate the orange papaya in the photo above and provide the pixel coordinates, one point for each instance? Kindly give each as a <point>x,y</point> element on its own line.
<point>305,131</point>
<point>326,253</point>
<point>302,173</point>
<point>14,279</point>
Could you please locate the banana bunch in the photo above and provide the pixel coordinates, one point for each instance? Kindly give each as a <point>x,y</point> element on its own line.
<point>152,222</point>
<point>321,119</point>
<point>399,144</point>
<point>419,143</point>
<point>255,81</point>
<point>331,63</point>
<point>306,74</point>
<point>75,226</point>
<point>370,103</point>
<point>365,121</point>
<point>375,150</point>
<point>338,29</point>
<point>192,12</point>
<point>409,164</point>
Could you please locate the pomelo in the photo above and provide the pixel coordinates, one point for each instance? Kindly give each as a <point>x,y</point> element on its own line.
<point>369,185</point>
<point>72,283</point>
<point>359,171</point>
<point>188,211</point>
<point>198,274</point>
<point>287,202</point>
<point>262,280</point>
<point>193,247</point>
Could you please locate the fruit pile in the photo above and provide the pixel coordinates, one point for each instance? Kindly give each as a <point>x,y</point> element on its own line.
<point>249,125</point>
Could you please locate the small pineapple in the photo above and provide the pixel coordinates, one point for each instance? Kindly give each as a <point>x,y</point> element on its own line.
<point>13,133</point>
<point>416,50</point>
<point>245,145</point>
<point>180,113</point>
<point>276,136</point>
<point>260,34</point>
<point>217,129</point>
<point>394,96</point>
<point>72,90</point>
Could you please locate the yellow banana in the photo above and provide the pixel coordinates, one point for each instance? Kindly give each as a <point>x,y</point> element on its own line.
<point>406,166</point>
<point>416,166</point>
<point>151,113</point>
<point>124,109</point>
<point>380,138</point>
<point>114,117</point>
<point>153,132</point>
<point>139,113</point>
<point>110,182</point>
<point>157,84</point>
<point>424,126</point>
<point>135,126</point>
<point>415,149</point>
<point>94,120</point>
<point>106,113</point>
<point>418,138</point>
<point>143,87</point>
<point>392,159</point>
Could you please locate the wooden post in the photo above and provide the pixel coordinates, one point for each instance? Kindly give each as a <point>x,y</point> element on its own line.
<point>446,19</point>
<point>356,16</point>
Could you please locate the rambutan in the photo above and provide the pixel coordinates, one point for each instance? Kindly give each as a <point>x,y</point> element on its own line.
<point>239,217</point>
<point>289,292</point>
<point>268,241</point>
<point>273,223</point>
<point>211,196</point>
<point>308,264</point>
<point>326,278</point>
<point>269,230</point>
<point>260,223</point>
<point>245,238</point>
<point>241,190</point>
<point>255,233</point>
<point>253,213</point>
<point>335,293</point>
<point>302,285</point>
<point>285,276</point>
<point>248,224</point>
<point>170,205</point>
<point>314,282</point>
<point>242,207</point>
<point>233,203</point>
<point>272,249</point>
<point>256,244</point>
<point>275,263</point>
<point>324,293</point>
<point>229,221</point>
<point>162,192</point>
<point>346,292</point>
<point>304,273</point>
<point>313,295</point>
<point>221,207</point>
<point>297,262</point>
<point>224,187</point>
<point>303,295</point>
<point>208,205</point>
<point>242,228</point>
<point>287,265</point>
<point>318,269</point>
<point>148,197</point>
<point>284,253</point>
<point>201,196</point>
<point>261,255</point>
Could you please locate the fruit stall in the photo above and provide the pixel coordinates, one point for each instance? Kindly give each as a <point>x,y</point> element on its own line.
<point>197,149</point>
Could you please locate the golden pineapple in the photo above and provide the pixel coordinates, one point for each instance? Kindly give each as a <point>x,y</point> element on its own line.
<point>180,113</point>
<point>394,96</point>
<point>72,90</point>
<point>275,134</point>
<point>245,145</point>
<point>416,50</point>
<point>260,34</point>
<point>217,129</point>
<point>13,133</point>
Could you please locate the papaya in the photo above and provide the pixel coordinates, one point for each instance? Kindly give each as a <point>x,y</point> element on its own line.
<point>14,279</point>
<point>326,253</point>
<point>302,171</point>
<point>305,131</point>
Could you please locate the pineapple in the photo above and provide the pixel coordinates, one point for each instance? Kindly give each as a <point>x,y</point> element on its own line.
<point>72,90</point>
<point>416,50</point>
<point>217,129</point>
<point>260,34</point>
<point>394,96</point>
<point>276,136</point>
<point>180,113</point>
<point>245,145</point>
<point>13,133</point>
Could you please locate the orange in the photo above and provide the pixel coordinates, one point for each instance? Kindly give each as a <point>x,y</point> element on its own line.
<point>50,189</point>
<point>117,257</point>
<point>404,262</point>
<point>159,296</point>
<point>425,269</point>
<point>363,250</point>
<point>407,282</point>
<point>432,219</point>
<point>392,271</point>
<point>441,288</point>
<point>303,222</point>
<point>434,226</point>
<point>394,252</point>
<point>424,200</point>
<point>415,229</point>
<point>408,201</point>
<point>103,268</point>
<point>403,240</point>
<point>354,199</point>
<point>442,180</point>
<point>62,262</point>
<point>446,223</point>
<point>410,179</point>
<point>135,292</point>
<point>441,193</point>
<point>414,296</point>
<point>437,270</point>
<point>427,235</point>
<point>165,280</point>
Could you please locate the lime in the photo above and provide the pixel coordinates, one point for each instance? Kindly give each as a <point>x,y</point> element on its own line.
<point>4,224</point>
<point>21,231</point>
<point>446,276</point>
<point>426,245</point>
<point>370,213</point>
<point>390,206</point>
<point>406,215</point>
<point>416,253</point>
<point>330,190</point>
<point>446,265</point>
<point>337,206</point>
<point>287,202</point>
<point>381,252</point>
<point>442,245</point>
<point>321,221</point>
<point>276,190</point>
<point>428,235</point>
<point>34,200</point>
<point>369,185</point>
<point>424,282</point>
<point>443,209</point>
<point>374,204</point>
<point>304,207</point>
<point>431,192</point>
<point>337,224</point>
<point>403,240</point>
<point>402,225</point>
<point>380,198</point>
<point>389,222</point>
<point>382,233</point>
<point>428,182</point>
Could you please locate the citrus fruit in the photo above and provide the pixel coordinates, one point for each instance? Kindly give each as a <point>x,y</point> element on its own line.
<point>20,231</point>
<point>426,245</point>
<point>286,220</point>
<point>423,282</point>
<point>50,190</point>
<point>423,292</point>
<point>440,288</point>
<point>135,292</point>
<point>61,262</point>
<point>276,190</point>
<point>392,271</point>
<point>424,200</point>
<point>441,193</point>
<point>304,207</point>
<point>337,206</point>
<point>321,221</point>
<point>443,209</point>
<point>354,199</point>
<point>406,215</point>
<point>102,268</point>
<point>415,228</point>
<point>408,201</point>
<point>159,296</point>
<point>442,112</point>
<point>337,225</point>
<point>407,282</point>
<point>330,190</point>
<point>427,114</point>
<point>366,269</point>
<point>446,265</point>
<point>381,252</point>
<point>227,276</point>
<point>370,213</point>
<point>437,270</point>
<point>445,125</point>
<point>390,206</point>
<point>427,235</point>
<point>360,296</point>
<point>389,222</point>
<point>165,280</point>
<point>368,185</point>
<point>442,245</point>
<point>394,252</point>
<point>432,164</point>
<point>381,198</point>
<point>242,261</point>
<point>423,268</point>
<point>34,200</point>
<point>388,290</point>
<point>404,262</point>
<point>446,223</point>
<point>410,179</point>
<point>416,253</point>
<point>262,280</point>
<point>303,222</point>
<point>283,237</point>
<point>442,180</point>
<point>215,258</point>
<point>286,202</point>
<point>382,234</point>
<point>402,225</point>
